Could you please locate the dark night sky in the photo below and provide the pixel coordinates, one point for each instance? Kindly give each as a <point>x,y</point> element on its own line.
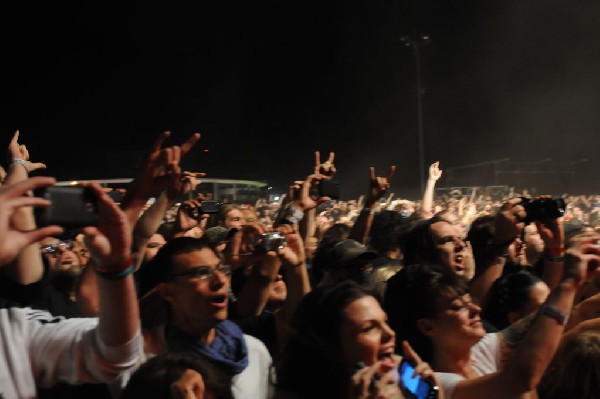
<point>268,82</point>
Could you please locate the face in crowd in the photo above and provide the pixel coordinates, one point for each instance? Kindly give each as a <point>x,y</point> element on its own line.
<point>155,243</point>
<point>64,255</point>
<point>250,216</point>
<point>365,335</point>
<point>197,290</point>
<point>234,218</point>
<point>449,246</point>
<point>534,245</point>
<point>457,319</point>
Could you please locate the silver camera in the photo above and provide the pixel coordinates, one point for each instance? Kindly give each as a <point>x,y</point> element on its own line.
<point>272,241</point>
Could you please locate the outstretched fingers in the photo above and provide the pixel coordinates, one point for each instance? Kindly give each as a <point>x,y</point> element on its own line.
<point>20,188</point>
<point>187,146</point>
<point>391,172</point>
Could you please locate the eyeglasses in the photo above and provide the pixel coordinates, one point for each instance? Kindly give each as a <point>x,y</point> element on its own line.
<point>459,303</point>
<point>57,246</point>
<point>204,272</point>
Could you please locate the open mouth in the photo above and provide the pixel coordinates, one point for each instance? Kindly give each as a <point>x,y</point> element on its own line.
<point>219,301</point>
<point>387,358</point>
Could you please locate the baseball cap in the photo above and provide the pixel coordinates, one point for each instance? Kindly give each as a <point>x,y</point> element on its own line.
<point>348,251</point>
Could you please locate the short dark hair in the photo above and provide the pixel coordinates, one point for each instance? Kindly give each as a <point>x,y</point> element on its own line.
<point>386,231</point>
<point>508,293</point>
<point>154,378</point>
<point>160,268</point>
<point>414,293</point>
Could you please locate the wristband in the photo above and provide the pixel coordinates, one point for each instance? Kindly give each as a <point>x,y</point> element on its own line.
<point>555,255</point>
<point>124,270</point>
<point>21,162</point>
<point>555,313</point>
<point>554,259</point>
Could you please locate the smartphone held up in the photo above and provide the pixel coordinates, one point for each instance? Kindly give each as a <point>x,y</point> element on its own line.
<point>416,387</point>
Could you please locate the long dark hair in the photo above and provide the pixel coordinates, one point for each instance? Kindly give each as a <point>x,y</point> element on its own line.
<point>311,364</point>
<point>417,244</point>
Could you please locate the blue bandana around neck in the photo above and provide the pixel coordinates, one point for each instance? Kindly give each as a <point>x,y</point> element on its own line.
<point>228,349</point>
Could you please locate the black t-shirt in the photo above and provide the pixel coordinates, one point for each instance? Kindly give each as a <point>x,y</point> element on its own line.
<point>39,295</point>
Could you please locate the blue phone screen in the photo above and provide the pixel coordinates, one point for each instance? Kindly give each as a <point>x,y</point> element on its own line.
<point>414,385</point>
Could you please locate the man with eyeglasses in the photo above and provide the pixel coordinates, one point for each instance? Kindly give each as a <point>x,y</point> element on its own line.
<point>194,282</point>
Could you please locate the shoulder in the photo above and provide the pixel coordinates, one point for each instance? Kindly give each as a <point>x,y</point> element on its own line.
<point>486,355</point>
<point>448,382</point>
<point>256,346</point>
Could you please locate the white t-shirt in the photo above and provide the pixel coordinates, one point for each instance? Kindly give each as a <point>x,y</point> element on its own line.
<point>486,357</point>
<point>253,382</point>
<point>39,350</point>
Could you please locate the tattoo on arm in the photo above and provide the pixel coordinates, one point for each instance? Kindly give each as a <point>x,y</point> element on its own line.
<point>512,335</point>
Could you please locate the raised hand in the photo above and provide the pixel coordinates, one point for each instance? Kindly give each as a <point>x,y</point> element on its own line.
<point>509,221</point>
<point>327,168</point>
<point>109,242</point>
<point>552,231</point>
<point>183,184</point>
<point>19,152</point>
<point>160,168</point>
<point>434,171</point>
<point>378,185</point>
<point>422,369</point>
<point>293,252</point>
<point>240,248</point>
<point>307,200</point>
<point>582,258</point>
<point>13,241</point>
<point>189,213</point>
<point>376,381</point>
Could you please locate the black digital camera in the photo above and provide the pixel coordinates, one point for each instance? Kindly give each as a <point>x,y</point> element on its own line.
<point>71,207</point>
<point>206,208</point>
<point>543,208</point>
<point>272,241</point>
<point>210,206</point>
<point>327,188</point>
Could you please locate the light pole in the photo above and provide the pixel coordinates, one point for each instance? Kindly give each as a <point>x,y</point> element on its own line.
<point>415,42</point>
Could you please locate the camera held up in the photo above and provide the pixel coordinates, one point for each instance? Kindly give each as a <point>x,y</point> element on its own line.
<point>543,208</point>
<point>272,241</point>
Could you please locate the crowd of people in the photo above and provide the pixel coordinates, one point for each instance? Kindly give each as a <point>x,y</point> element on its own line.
<point>491,295</point>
